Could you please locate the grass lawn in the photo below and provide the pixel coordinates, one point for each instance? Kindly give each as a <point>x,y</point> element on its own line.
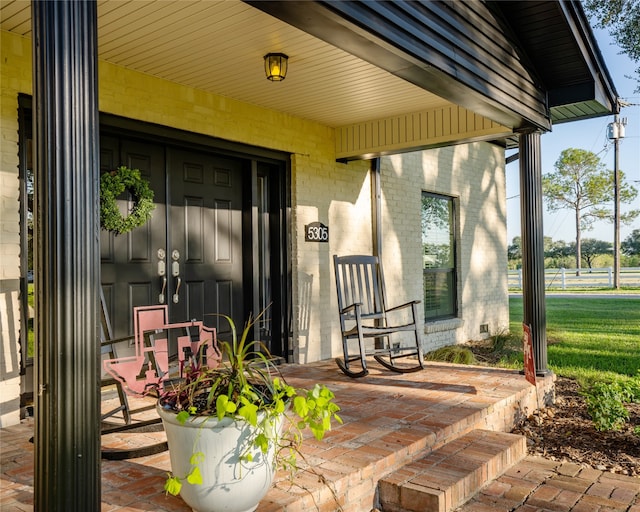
<point>607,290</point>
<point>30,333</point>
<point>589,339</point>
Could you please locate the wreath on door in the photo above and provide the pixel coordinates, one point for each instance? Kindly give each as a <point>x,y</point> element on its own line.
<point>114,183</point>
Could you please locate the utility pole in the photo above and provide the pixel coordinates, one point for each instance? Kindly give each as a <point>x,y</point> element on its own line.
<point>616,132</point>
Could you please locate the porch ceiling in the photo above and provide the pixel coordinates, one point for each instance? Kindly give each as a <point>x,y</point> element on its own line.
<point>218,47</point>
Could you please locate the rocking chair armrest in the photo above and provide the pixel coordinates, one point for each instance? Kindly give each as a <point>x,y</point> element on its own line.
<point>350,307</point>
<point>405,305</point>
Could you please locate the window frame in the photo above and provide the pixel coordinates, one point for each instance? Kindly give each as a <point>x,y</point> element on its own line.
<point>27,271</point>
<point>451,273</point>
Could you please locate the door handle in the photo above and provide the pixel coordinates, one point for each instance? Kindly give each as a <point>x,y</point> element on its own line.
<point>175,272</point>
<point>162,272</point>
<point>176,297</point>
<point>164,286</point>
<point>162,266</point>
<point>175,265</point>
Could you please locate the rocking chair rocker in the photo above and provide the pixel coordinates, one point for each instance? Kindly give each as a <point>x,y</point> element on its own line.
<point>364,315</point>
<point>109,350</point>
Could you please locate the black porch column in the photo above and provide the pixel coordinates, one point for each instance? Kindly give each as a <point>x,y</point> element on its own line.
<point>67,400</point>
<point>533,246</point>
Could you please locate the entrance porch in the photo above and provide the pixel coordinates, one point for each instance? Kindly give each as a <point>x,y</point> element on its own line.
<point>390,421</point>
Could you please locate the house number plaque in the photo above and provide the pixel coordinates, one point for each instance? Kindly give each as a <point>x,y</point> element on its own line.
<point>316,232</point>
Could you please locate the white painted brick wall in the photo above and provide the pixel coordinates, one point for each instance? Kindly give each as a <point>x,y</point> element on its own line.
<point>473,173</point>
<point>339,196</point>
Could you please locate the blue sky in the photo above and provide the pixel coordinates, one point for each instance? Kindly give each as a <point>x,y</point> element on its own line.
<point>591,135</point>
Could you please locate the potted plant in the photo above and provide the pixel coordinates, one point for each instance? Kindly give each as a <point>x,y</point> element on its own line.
<point>231,427</point>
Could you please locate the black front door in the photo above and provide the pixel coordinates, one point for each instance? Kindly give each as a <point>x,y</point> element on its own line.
<point>130,264</point>
<point>189,255</point>
<point>205,237</point>
<point>215,244</point>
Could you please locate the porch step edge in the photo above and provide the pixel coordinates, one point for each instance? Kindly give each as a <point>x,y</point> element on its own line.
<point>449,476</point>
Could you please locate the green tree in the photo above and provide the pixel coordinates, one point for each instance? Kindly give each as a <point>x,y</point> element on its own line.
<point>547,243</point>
<point>592,248</point>
<point>514,251</point>
<point>630,246</point>
<point>435,213</point>
<point>559,254</point>
<point>582,184</point>
<point>622,19</point>
<point>437,243</point>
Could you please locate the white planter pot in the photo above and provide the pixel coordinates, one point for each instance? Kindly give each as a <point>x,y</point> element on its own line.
<point>229,484</point>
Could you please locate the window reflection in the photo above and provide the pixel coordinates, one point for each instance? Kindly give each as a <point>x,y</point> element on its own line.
<point>438,256</point>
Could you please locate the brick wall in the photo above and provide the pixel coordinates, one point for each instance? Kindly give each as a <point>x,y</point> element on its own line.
<point>474,174</point>
<point>339,196</point>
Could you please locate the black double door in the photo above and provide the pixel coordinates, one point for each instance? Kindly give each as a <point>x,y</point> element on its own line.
<point>208,247</point>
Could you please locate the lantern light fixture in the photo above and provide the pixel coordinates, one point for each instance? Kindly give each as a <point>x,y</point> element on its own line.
<point>275,66</point>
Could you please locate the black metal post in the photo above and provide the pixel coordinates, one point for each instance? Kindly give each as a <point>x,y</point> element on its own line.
<point>67,391</point>
<point>533,286</point>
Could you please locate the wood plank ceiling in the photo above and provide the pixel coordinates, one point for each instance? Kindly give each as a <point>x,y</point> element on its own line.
<point>218,47</point>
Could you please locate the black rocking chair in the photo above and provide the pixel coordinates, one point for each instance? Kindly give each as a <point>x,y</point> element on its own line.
<point>364,314</point>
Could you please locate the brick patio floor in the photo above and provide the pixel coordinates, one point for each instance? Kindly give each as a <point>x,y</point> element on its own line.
<point>389,421</point>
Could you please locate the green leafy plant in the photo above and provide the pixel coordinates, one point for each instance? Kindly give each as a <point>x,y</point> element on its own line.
<point>247,386</point>
<point>606,402</point>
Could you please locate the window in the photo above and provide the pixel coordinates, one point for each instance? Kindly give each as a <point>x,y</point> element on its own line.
<point>27,337</point>
<point>438,256</point>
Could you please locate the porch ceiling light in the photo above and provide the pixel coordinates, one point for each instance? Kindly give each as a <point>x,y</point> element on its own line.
<point>275,66</point>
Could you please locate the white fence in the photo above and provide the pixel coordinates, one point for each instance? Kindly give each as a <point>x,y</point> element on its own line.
<point>563,278</point>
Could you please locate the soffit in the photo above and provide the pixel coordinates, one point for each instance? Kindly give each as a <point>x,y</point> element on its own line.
<point>218,47</point>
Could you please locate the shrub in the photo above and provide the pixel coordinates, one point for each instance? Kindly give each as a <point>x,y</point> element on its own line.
<point>452,354</point>
<point>605,402</point>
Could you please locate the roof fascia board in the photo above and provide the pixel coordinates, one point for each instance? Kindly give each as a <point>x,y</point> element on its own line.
<point>604,90</point>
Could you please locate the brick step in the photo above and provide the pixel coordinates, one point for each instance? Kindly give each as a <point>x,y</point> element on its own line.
<point>452,474</point>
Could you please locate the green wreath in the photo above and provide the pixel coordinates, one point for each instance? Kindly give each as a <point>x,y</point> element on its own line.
<point>114,183</point>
